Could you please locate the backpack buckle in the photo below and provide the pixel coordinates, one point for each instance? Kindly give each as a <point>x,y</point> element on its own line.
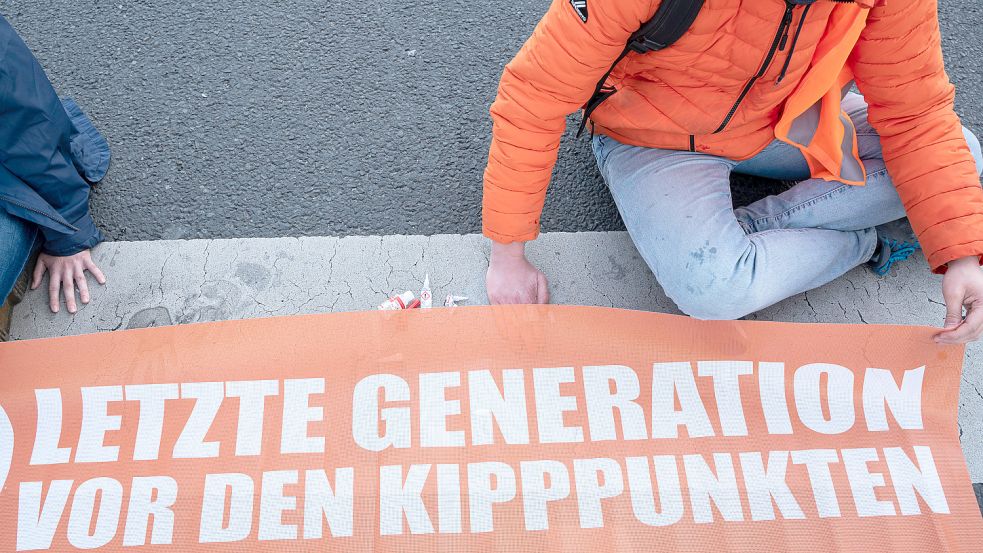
<point>644,44</point>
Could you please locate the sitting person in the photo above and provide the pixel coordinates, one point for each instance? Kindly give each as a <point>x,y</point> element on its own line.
<point>49,155</point>
<point>756,87</point>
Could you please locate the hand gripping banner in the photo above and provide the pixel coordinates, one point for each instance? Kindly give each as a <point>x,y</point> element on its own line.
<point>527,428</point>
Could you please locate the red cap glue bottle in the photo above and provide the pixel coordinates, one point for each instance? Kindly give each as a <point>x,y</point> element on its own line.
<point>396,303</point>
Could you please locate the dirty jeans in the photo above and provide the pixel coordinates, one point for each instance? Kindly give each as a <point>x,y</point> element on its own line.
<point>18,241</point>
<point>718,262</point>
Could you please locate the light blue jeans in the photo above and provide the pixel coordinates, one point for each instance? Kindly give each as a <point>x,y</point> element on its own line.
<point>718,262</point>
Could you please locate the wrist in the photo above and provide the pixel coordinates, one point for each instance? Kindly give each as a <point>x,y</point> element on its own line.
<point>971,262</point>
<point>510,251</point>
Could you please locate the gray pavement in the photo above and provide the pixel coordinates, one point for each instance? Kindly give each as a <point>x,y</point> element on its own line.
<point>245,118</point>
<point>171,282</point>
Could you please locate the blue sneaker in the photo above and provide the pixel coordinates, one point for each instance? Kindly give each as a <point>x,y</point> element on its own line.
<point>890,251</point>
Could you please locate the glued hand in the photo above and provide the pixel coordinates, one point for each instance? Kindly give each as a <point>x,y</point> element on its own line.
<point>64,275</point>
<point>512,279</point>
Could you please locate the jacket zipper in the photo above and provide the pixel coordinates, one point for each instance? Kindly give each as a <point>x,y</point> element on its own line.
<point>39,212</point>
<point>780,38</point>
<point>791,50</point>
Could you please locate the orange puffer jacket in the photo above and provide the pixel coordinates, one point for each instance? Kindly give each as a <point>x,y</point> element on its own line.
<point>701,94</point>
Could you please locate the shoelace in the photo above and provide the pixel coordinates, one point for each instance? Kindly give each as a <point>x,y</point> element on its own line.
<point>900,251</point>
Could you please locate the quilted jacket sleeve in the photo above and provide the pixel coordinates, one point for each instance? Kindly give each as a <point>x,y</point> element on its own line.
<point>551,77</point>
<point>898,67</point>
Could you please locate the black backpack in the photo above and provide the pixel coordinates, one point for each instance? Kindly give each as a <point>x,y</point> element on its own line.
<point>671,21</point>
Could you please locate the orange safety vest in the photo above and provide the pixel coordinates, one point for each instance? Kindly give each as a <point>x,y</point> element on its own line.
<point>813,120</point>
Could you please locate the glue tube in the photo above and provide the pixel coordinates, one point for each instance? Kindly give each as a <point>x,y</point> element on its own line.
<point>451,300</point>
<point>396,303</point>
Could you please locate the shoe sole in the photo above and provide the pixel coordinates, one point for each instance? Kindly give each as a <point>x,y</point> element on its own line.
<point>21,285</point>
<point>6,313</point>
<point>16,296</point>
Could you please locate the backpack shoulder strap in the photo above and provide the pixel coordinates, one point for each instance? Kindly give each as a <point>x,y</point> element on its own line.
<point>670,22</point>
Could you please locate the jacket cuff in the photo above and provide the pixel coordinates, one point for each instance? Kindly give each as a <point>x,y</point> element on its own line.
<point>90,151</point>
<point>86,237</point>
<point>939,261</point>
<point>508,238</point>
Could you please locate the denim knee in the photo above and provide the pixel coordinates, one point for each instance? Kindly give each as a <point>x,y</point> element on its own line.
<point>974,146</point>
<point>716,305</point>
<point>710,295</point>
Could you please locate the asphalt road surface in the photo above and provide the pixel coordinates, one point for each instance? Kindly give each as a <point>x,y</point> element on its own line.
<point>248,118</point>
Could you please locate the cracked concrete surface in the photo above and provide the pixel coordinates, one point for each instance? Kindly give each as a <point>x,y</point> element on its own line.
<point>175,282</point>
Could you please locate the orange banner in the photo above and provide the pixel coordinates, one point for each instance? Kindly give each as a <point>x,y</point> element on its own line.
<point>510,428</point>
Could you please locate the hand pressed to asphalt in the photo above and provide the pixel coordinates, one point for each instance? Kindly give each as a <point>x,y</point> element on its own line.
<point>512,279</point>
<point>962,286</point>
<point>64,274</point>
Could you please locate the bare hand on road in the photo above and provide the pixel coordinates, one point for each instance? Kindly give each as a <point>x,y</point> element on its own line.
<point>512,279</point>
<point>64,275</point>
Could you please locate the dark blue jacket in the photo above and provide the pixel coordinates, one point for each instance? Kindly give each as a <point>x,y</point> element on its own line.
<point>50,153</point>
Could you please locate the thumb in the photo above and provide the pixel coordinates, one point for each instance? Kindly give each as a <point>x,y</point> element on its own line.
<point>953,311</point>
<point>39,269</point>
